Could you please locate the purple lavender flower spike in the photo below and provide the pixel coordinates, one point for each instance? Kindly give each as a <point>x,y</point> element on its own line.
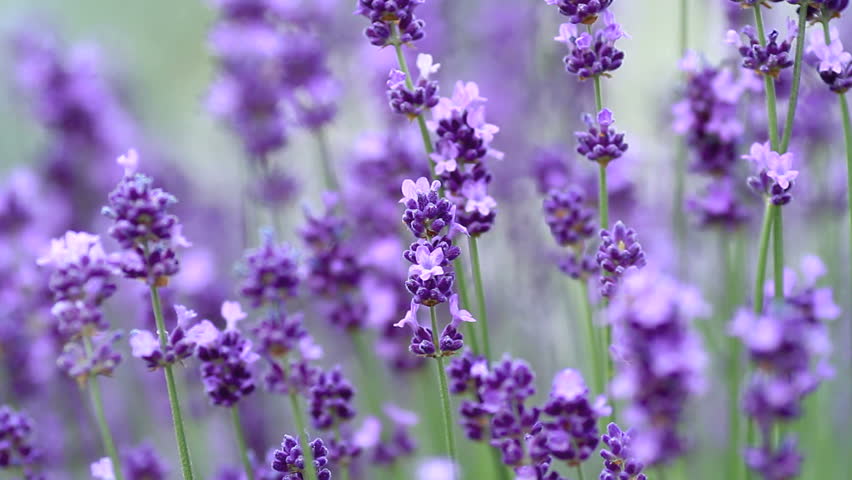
<point>269,273</point>
<point>143,463</point>
<point>592,55</point>
<point>619,460</point>
<point>775,174</point>
<point>413,102</point>
<point>660,360</point>
<point>719,206</point>
<point>18,446</point>
<point>290,460</point>
<point>833,63</point>
<point>180,343</point>
<point>619,252</point>
<point>601,143</point>
<point>389,15</point>
<point>769,60</point>
<point>80,365</point>
<point>226,360</point>
<point>581,11</point>
<point>331,400</point>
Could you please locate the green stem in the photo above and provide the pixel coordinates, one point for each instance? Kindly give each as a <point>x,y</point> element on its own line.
<point>762,253</point>
<point>241,442</point>
<point>598,95</point>
<point>329,177</point>
<point>603,195</point>
<point>370,372</point>
<point>421,121</point>
<point>461,283</point>
<point>480,295</point>
<point>100,417</point>
<point>174,403</point>
<point>301,434</point>
<point>445,392</point>
<point>769,85</point>
<point>778,254</point>
<point>592,341</point>
<point>502,470</point>
<point>580,472</point>
<point>678,214</point>
<point>797,77</point>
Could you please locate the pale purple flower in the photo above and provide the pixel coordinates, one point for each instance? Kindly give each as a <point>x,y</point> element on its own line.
<point>411,189</point>
<point>130,162</point>
<point>780,168</point>
<point>102,469</point>
<point>477,198</point>
<point>203,334</point>
<point>758,154</point>
<point>143,343</point>
<point>567,32</point>
<point>72,248</point>
<point>445,157</point>
<point>410,318</point>
<point>459,314</point>
<point>426,65</point>
<point>428,263</point>
<point>396,78</point>
<point>436,468</point>
<point>232,312</point>
<point>832,57</point>
<point>569,385</point>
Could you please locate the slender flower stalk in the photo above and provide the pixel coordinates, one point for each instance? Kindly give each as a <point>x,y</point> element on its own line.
<point>331,182</point>
<point>445,392</point>
<point>480,295</point>
<point>679,216</point>
<point>174,401</point>
<point>769,84</point>
<point>241,442</point>
<point>797,79</point>
<point>301,427</point>
<point>100,417</point>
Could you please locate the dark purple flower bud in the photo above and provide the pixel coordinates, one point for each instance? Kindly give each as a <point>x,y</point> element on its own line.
<point>619,462</point>
<point>331,400</point>
<point>592,55</point>
<point>226,360</point>
<point>290,460</point>
<point>411,102</point>
<point>17,443</point>
<point>581,11</point>
<point>619,251</point>
<point>769,59</point>
<point>601,143</point>
<point>781,464</point>
<point>386,15</point>
<point>143,463</point>
<point>571,221</point>
<point>79,364</point>
<point>269,273</point>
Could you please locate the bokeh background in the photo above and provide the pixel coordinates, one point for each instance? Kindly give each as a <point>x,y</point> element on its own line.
<point>156,56</point>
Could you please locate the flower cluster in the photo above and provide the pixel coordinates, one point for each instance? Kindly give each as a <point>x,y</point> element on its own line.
<point>413,101</point>
<point>572,224</point>
<point>17,443</point>
<point>769,59</point>
<point>331,407</point>
<point>592,55</point>
<point>399,443</point>
<point>269,273</point>
<point>79,363</point>
<point>180,343</point>
<point>464,142</point>
<point>619,460</point>
<point>601,143</point>
<point>775,176</point>
<point>269,68</point>
<point>393,21</point>
<point>81,280</point>
<point>789,347</point>
<point>143,463</point>
<point>660,360</point>
<point>143,226</point>
<point>334,270</point>
<point>226,358</point>
<point>618,253</point>
<point>826,10</point>
<point>581,11</point>
<point>833,63</point>
<point>290,460</point>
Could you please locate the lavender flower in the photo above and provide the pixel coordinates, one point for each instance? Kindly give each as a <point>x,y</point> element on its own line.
<point>80,364</point>
<point>81,280</point>
<point>143,226</point>
<point>619,252</point>
<point>331,400</point>
<point>570,220</point>
<point>423,96</point>
<point>826,10</point>
<point>393,21</point>
<point>775,174</point>
<point>18,447</point>
<point>592,55</point>
<point>143,463</point>
<point>226,360</point>
<point>719,206</point>
<point>619,461</point>
<point>581,11</point>
<point>180,343</point>
<point>269,273</point>
<point>833,63</point>
<point>767,60</point>
<point>660,360</point>
<point>601,143</point>
<point>399,443</point>
<point>290,460</point>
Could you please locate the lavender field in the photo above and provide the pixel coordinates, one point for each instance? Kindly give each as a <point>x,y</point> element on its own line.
<point>425,240</point>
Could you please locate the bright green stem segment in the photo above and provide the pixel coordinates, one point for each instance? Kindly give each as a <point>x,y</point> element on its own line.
<point>603,195</point>
<point>778,253</point>
<point>480,296</point>
<point>403,65</point>
<point>762,254</point>
<point>174,402</point>
<point>329,177</point>
<point>445,392</point>
<point>461,283</point>
<point>241,442</point>
<point>769,85</point>
<point>580,472</point>
<point>598,94</point>
<point>592,338</point>
<point>302,433</point>
<point>100,417</point>
<point>797,77</point>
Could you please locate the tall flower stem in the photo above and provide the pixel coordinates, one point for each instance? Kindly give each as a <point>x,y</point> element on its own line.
<point>480,295</point>
<point>593,342</point>
<point>778,254</point>
<point>461,283</point>
<point>769,84</point>
<point>174,403</point>
<point>329,177</point>
<point>762,254</point>
<point>100,417</point>
<point>445,392</point>
<point>797,78</point>
<point>301,430</point>
<point>241,442</point>
<point>678,214</point>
